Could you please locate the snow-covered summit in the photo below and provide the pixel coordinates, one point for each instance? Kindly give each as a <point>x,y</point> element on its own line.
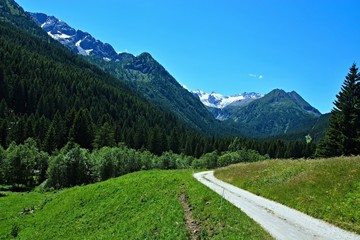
<point>220,101</point>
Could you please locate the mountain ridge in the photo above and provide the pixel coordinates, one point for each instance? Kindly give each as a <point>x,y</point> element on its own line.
<point>78,41</point>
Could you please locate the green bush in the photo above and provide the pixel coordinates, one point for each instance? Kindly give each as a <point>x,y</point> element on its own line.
<point>74,167</point>
<point>24,164</point>
<point>243,155</point>
<point>214,160</point>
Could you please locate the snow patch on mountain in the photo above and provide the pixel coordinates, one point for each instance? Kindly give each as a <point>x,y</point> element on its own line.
<point>59,36</point>
<point>88,51</point>
<point>219,101</point>
<point>80,49</point>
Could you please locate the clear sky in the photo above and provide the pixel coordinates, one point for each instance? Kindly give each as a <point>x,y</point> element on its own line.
<point>229,46</point>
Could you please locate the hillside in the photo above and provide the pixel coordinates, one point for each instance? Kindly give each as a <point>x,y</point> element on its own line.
<point>146,76</point>
<point>142,73</point>
<point>54,96</point>
<point>327,189</point>
<point>142,205</point>
<point>11,12</point>
<point>277,113</point>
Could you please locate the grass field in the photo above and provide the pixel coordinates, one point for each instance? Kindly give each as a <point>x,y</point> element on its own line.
<point>328,189</point>
<point>141,205</point>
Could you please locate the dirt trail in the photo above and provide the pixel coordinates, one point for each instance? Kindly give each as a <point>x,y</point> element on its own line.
<point>280,221</point>
<point>193,227</point>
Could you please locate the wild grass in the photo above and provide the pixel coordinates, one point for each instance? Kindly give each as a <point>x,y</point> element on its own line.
<point>141,205</point>
<point>328,189</point>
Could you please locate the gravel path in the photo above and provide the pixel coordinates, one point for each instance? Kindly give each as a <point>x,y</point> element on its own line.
<point>280,221</point>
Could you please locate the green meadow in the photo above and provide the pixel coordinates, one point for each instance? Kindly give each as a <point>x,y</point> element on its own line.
<point>140,205</point>
<point>327,189</point>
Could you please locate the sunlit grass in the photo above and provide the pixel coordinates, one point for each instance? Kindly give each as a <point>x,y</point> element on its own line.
<point>328,189</point>
<point>141,205</point>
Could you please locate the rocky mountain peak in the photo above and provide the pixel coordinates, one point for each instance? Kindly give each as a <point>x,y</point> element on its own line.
<point>76,40</point>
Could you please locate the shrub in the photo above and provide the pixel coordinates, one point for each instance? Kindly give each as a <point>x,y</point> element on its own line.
<point>25,164</point>
<point>71,168</point>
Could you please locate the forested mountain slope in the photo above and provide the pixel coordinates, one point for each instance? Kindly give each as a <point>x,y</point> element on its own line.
<point>54,96</point>
<point>277,113</point>
<point>142,73</point>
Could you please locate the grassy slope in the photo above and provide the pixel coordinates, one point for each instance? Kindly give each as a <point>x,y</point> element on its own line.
<point>142,205</point>
<point>328,189</point>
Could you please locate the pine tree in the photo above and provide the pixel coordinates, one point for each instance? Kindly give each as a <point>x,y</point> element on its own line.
<point>105,136</point>
<point>3,87</point>
<point>342,136</point>
<point>3,132</point>
<point>60,130</point>
<point>49,141</point>
<point>82,129</point>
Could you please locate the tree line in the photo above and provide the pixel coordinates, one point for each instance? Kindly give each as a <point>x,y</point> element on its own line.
<point>25,165</point>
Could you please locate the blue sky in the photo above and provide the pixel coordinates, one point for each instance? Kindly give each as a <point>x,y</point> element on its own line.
<point>230,46</point>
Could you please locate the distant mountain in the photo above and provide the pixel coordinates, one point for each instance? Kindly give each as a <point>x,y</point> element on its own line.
<point>143,73</point>
<point>256,115</point>
<point>220,106</point>
<point>277,113</point>
<point>217,100</point>
<point>318,130</point>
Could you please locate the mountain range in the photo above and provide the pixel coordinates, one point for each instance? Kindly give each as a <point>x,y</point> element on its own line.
<point>248,114</point>
<point>254,114</point>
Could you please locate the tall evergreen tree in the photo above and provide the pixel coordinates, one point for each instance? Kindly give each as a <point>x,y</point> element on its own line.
<point>105,136</point>
<point>3,90</point>
<point>59,126</point>
<point>49,141</point>
<point>82,129</point>
<point>343,135</point>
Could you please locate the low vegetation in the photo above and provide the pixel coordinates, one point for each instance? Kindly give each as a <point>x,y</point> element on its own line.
<point>141,205</point>
<point>328,189</point>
